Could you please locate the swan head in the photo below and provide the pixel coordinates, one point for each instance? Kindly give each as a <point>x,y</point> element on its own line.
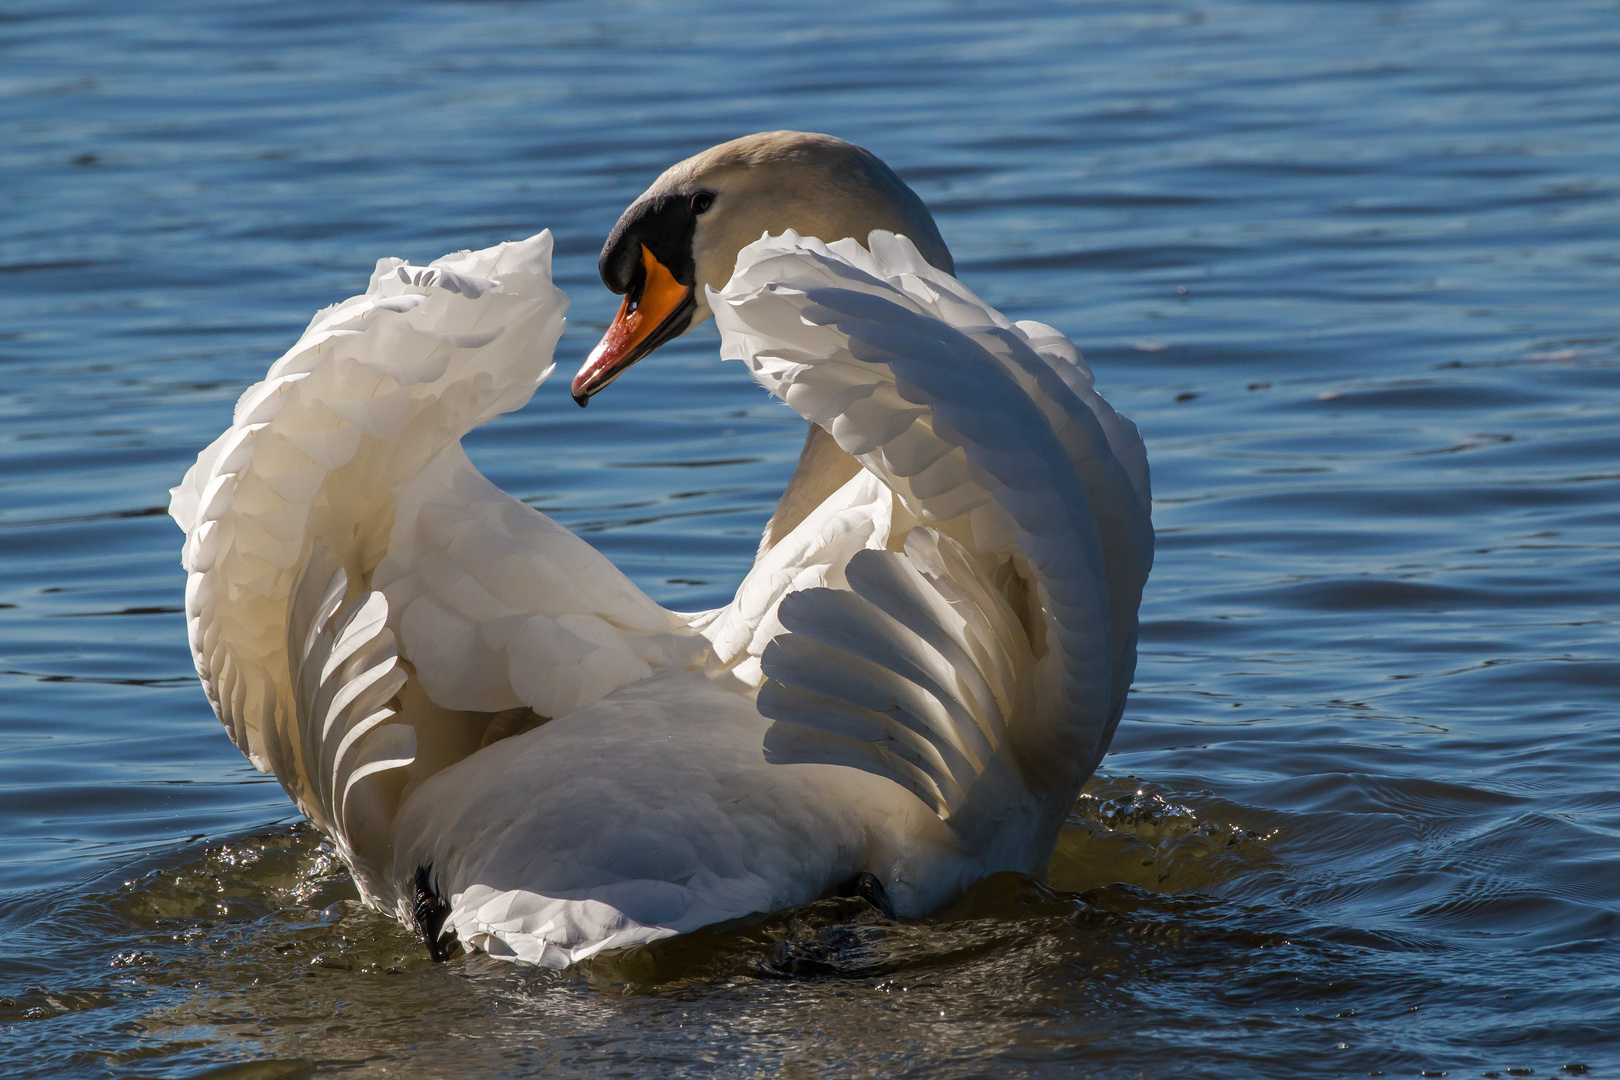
<point>685,231</point>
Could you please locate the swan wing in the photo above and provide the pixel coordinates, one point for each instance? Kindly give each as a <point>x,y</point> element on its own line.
<point>977,648</point>
<point>363,605</point>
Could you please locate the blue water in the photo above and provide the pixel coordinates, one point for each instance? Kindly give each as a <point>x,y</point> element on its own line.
<point>1354,267</point>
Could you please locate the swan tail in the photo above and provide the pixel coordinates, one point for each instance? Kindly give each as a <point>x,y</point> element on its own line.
<point>1020,497</point>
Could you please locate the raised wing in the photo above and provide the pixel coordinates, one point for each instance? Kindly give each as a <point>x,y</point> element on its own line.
<point>364,607</point>
<point>979,649</point>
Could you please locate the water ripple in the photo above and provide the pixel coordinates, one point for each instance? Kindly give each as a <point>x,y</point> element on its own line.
<point>1349,266</point>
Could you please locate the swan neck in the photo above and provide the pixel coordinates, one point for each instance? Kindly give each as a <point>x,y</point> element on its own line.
<point>823,468</point>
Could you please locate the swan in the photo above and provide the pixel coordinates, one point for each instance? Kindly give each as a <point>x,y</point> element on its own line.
<point>512,747</point>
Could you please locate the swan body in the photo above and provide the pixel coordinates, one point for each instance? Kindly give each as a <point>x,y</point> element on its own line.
<point>511,744</point>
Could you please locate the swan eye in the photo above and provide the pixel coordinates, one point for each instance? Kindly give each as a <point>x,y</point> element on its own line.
<point>702,201</point>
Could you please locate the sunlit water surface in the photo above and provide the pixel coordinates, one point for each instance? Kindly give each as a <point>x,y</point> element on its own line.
<point>1353,267</point>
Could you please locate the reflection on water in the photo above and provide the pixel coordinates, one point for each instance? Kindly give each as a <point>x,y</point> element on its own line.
<point>1352,268</point>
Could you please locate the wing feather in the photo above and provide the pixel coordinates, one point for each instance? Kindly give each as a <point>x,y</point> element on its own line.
<point>344,556</point>
<point>998,613</point>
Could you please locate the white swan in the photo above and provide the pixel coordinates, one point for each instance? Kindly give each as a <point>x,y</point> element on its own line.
<point>510,743</point>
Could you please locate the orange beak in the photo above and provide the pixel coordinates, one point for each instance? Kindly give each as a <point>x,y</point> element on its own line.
<point>660,309</point>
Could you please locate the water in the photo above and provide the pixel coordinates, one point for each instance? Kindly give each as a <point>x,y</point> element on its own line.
<point>1353,267</point>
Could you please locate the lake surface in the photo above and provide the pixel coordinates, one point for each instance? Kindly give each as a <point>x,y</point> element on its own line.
<point>1354,267</point>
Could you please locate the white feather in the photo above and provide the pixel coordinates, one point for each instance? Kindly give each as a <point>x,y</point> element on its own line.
<point>912,682</point>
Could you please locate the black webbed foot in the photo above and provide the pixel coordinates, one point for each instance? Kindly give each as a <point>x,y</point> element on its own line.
<point>429,913</point>
<point>870,889</point>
